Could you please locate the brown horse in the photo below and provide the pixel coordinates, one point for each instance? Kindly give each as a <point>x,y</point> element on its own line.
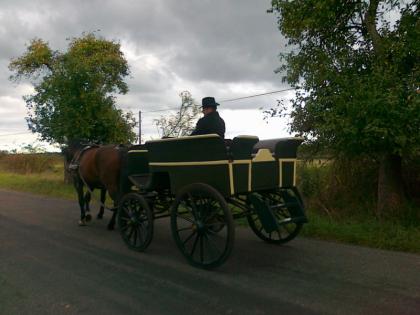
<point>97,167</point>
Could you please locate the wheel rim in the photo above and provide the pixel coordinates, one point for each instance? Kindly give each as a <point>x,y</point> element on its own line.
<point>135,222</point>
<point>286,231</point>
<point>202,227</point>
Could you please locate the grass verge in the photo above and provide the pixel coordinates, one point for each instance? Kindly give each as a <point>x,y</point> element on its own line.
<point>42,184</point>
<point>362,231</point>
<point>369,232</point>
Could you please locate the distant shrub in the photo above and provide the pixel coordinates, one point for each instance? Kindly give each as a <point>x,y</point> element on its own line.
<point>29,163</point>
<point>2,154</point>
<point>339,187</point>
<point>348,188</point>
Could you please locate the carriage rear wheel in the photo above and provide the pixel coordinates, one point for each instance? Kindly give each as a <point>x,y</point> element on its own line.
<point>287,229</point>
<point>135,221</point>
<point>202,226</point>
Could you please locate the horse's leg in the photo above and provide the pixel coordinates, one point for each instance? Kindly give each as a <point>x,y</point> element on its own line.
<point>114,195</point>
<point>88,196</point>
<point>111,224</point>
<point>101,210</point>
<point>79,189</point>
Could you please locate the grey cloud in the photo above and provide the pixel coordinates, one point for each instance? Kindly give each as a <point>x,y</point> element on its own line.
<point>210,47</point>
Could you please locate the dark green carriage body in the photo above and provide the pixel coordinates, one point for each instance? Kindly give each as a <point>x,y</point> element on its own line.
<point>248,165</point>
<point>187,160</point>
<point>195,178</point>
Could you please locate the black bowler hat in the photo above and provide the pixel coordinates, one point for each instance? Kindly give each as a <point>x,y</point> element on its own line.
<point>209,102</point>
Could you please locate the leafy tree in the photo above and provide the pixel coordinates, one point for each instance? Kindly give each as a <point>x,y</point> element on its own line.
<point>75,90</point>
<point>183,122</point>
<point>357,74</point>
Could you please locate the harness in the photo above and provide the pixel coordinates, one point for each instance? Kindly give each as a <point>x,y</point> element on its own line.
<point>75,161</point>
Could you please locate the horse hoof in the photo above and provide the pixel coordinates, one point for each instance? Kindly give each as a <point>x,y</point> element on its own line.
<point>99,216</point>
<point>88,217</point>
<point>82,223</point>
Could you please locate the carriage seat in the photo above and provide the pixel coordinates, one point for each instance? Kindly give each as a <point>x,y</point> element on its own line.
<point>168,156</point>
<point>209,147</point>
<point>137,166</point>
<point>241,147</point>
<point>280,147</point>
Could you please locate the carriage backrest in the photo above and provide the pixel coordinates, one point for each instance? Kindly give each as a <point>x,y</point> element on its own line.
<point>187,149</point>
<point>281,148</point>
<point>137,160</point>
<point>242,146</point>
<point>177,162</point>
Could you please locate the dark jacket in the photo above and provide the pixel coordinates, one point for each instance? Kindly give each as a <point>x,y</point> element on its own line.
<point>211,123</point>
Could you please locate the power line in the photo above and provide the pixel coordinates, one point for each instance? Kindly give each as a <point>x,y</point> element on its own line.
<point>225,101</point>
<point>250,96</point>
<point>175,108</point>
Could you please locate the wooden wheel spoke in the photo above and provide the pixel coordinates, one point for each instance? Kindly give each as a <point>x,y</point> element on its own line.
<point>184,229</point>
<point>287,228</point>
<point>212,244</point>
<point>189,237</point>
<point>214,216</point>
<point>124,228</point>
<point>185,218</point>
<point>218,223</point>
<point>196,231</point>
<point>282,214</point>
<point>125,213</point>
<point>135,220</point>
<point>140,235</point>
<point>130,233</point>
<point>135,236</point>
<point>201,248</point>
<point>215,233</point>
<point>194,245</point>
<point>193,206</point>
<point>124,219</point>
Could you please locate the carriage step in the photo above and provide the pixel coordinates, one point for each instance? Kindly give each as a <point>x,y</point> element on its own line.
<point>285,221</point>
<point>264,212</point>
<point>295,209</point>
<point>286,204</point>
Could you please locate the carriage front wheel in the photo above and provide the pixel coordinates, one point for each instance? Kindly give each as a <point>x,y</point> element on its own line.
<point>202,226</point>
<point>288,228</point>
<point>135,221</point>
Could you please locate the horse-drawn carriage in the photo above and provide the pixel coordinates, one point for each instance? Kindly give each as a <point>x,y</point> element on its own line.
<point>203,185</point>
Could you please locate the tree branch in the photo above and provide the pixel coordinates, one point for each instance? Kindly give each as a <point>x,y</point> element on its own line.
<point>370,24</point>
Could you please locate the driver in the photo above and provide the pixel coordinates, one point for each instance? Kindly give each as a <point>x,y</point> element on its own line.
<point>211,122</point>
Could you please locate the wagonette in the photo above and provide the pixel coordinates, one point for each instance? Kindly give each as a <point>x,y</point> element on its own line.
<point>203,185</point>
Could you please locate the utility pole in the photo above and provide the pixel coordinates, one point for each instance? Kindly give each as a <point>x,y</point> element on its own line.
<point>139,126</point>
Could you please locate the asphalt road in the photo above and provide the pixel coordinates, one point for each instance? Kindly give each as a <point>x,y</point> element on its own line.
<point>50,265</point>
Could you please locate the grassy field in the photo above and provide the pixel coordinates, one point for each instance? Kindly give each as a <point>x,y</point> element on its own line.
<point>368,232</point>
<point>46,178</point>
<point>35,173</point>
<point>41,184</point>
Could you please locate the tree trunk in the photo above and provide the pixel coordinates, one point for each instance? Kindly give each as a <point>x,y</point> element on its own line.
<point>390,187</point>
<point>67,175</point>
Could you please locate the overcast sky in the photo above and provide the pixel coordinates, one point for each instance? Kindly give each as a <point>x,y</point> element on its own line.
<point>220,48</point>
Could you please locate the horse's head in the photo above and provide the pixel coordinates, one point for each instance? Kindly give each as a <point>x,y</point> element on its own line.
<point>71,150</point>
